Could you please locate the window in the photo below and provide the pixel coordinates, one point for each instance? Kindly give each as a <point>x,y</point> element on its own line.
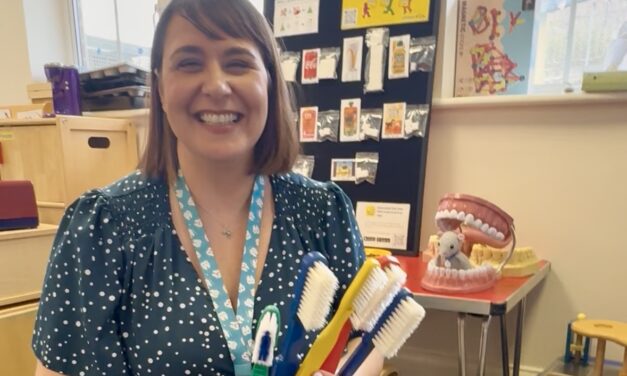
<point>571,37</point>
<point>110,32</point>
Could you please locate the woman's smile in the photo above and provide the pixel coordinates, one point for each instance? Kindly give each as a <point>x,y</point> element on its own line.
<point>214,93</point>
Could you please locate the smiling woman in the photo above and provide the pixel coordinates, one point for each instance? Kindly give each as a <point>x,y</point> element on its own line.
<point>164,270</point>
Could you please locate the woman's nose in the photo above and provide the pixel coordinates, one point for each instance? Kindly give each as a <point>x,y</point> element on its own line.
<point>216,82</point>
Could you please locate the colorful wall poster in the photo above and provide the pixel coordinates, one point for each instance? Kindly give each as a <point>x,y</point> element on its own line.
<point>295,17</point>
<point>357,14</point>
<point>493,47</point>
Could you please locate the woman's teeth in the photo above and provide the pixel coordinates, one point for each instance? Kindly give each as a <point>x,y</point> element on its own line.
<point>219,118</point>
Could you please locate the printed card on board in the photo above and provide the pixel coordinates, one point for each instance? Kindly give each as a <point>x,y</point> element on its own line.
<point>350,110</point>
<point>311,58</point>
<point>398,57</point>
<point>296,17</point>
<point>309,124</point>
<point>393,120</point>
<point>352,57</point>
<point>342,169</point>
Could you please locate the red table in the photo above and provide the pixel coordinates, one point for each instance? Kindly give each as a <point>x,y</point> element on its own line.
<point>507,293</point>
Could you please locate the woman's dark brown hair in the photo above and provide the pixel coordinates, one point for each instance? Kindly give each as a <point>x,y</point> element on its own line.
<point>278,146</point>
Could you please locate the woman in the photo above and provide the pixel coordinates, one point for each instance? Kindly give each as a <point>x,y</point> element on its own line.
<point>130,288</point>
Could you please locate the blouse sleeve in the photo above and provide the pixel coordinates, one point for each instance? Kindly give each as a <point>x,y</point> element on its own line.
<point>76,331</point>
<point>342,237</point>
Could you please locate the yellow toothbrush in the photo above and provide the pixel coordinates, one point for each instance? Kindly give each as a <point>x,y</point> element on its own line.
<point>369,280</point>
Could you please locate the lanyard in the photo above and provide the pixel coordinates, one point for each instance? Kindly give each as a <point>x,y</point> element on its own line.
<point>236,325</point>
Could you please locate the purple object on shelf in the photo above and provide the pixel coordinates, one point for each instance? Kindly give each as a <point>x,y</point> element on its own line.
<point>65,88</point>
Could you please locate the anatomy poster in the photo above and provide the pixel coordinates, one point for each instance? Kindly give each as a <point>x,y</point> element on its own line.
<point>296,17</point>
<point>357,14</point>
<point>493,47</point>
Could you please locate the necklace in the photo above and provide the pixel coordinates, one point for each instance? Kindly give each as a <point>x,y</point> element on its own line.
<point>226,232</point>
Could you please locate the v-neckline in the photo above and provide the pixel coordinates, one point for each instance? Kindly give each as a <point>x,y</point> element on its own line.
<point>181,247</point>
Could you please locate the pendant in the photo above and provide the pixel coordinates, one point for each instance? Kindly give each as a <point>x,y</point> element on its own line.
<point>227,233</point>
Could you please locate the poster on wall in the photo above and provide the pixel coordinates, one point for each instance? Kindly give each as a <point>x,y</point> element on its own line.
<point>383,224</point>
<point>357,14</point>
<point>493,47</point>
<point>296,17</point>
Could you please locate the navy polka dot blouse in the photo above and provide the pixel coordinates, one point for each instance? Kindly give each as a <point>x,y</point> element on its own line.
<point>121,297</point>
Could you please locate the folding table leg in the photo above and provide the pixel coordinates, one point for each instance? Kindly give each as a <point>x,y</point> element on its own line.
<point>504,345</point>
<point>485,325</point>
<point>519,330</point>
<point>461,345</point>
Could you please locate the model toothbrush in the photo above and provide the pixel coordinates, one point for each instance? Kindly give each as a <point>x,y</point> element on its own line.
<point>313,296</point>
<point>397,323</point>
<point>265,339</point>
<point>364,319</point>
<point>331,341</point>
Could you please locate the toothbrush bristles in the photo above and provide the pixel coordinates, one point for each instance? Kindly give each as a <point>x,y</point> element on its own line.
<point>398,327</point>
<point>369,298</point>
<point>367,317</point>
<point>317,297</point>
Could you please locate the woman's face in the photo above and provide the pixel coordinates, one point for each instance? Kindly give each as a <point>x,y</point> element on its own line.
<point>214,93</point>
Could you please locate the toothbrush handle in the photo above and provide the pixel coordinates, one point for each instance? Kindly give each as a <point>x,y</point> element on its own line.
<point>357,358</point>
<point>287,362</point>
<point>333,359</point>
<point>259,370</point>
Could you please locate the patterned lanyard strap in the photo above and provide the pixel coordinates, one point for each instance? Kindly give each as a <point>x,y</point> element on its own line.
<point>236,326</point>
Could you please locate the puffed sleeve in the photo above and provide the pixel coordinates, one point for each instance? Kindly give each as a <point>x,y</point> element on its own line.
<point>342,238</point>
<point>76,331</point>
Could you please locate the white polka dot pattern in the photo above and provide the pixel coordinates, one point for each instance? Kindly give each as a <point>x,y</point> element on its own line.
<point>120,296</point>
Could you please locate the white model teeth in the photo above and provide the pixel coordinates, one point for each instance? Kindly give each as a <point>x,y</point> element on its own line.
<point>218,118</point>
<point>470,220</point>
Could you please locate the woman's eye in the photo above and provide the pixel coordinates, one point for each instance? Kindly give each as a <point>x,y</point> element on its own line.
<point>188,65</point>
<point>238,64</point>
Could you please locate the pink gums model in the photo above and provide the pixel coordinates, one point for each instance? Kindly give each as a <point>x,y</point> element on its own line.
<point>467,220</point>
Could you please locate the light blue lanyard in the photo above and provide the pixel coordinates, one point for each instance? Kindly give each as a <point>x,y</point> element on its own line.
<point>236,326</point>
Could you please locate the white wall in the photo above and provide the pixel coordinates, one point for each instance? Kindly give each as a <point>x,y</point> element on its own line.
<point>14,64</point>
<point>32,33</point>
<point>560,170</point>
<point>48,29</point>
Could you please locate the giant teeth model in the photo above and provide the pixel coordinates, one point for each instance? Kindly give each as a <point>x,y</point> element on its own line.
<point>465,221</point>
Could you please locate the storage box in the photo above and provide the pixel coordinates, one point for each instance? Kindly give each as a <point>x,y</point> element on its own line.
<point>39,92</point>
<point>18,208</point>
<point>26,111</point>
<point>66,156</point>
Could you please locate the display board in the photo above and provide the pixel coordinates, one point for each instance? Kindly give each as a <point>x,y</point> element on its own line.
<point>388,211</point>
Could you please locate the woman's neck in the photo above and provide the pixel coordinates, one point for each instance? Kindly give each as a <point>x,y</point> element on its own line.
<point>222,187</point>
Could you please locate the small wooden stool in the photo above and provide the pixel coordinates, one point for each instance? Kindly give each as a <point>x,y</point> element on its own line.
<point>603,330</point>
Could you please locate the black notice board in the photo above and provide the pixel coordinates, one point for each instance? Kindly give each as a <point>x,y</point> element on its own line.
<point>401,171</point>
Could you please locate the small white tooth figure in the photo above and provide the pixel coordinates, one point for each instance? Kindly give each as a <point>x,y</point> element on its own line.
<point>449,251</point>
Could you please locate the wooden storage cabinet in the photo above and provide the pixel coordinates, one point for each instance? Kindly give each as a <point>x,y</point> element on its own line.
<point>66,156</point>
<point>23,259</point>
<point>16,326</point>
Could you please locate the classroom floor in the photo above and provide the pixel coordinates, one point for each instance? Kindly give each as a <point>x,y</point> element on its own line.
<point>558,368</point>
